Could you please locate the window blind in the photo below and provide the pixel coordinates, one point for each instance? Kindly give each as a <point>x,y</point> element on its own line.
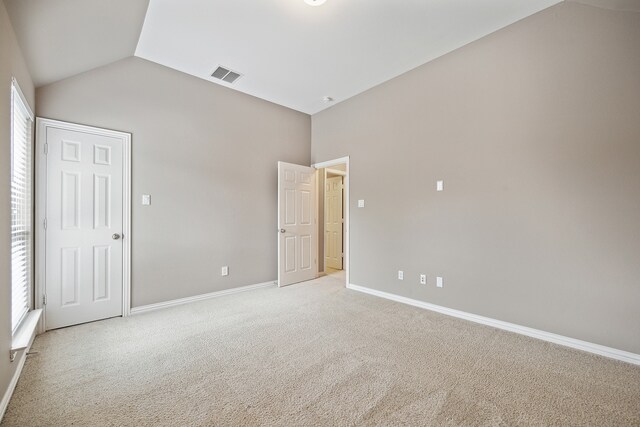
<point>21,206</point>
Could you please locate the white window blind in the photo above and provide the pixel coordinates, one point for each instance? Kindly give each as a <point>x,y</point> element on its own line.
<point>21,206</point>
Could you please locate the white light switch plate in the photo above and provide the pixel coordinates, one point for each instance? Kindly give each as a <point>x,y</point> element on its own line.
<point>146,199</point>
<point>439,185</point>
<point>400,275</point>
<point>439,282</point>
<point>224,271</point>
<point>361,203</point>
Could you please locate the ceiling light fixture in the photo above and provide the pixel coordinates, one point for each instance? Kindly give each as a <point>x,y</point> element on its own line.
<point>314,2</point>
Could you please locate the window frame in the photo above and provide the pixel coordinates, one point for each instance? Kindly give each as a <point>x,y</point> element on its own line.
<point>19,100</point>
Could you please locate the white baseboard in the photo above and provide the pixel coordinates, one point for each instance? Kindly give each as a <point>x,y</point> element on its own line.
<point>172,303</point>
<point>4,403</point>
<point>601,350</point>
<point>12,385</point>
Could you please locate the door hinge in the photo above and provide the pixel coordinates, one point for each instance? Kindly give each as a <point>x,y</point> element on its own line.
<point>44,223</point>
<point>44,299</point>
<point>46,148</point>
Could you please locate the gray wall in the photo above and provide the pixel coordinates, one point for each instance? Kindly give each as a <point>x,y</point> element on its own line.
<point>11,65</point>
<point>208,157</point>
<point>535,131</point>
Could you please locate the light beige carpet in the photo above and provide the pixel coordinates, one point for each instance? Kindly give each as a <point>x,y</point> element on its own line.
<point>313,354</point>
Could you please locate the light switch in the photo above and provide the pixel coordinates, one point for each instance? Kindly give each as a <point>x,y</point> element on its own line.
<point>224,271</point>
<point>146,199</point>
<point>361,203</point>
<point>439,282</point>
<point>439,185</point>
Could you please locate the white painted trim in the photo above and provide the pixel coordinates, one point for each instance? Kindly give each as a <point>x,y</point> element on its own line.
<point>329,163</point>
<point>278,201</point>
<point>173,303</point>
<point>126,225</point>
<point>39,232</point>
<point>4,403</point>
<point>601,350</point>
<point>25,332</point>
<point>16,85</point>
<point>347,216</point>
<point>41,208</point>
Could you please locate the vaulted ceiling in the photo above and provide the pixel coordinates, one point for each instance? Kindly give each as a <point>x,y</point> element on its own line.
<point>288,52</point>
<point>294,54</point>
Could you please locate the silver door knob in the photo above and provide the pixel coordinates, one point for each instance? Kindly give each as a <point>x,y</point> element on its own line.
<point>116,236</point>
<point>282,230</point>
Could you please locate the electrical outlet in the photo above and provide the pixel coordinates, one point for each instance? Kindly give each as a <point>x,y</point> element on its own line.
<point>224,271</point>
<point>439,185</point>
<point>400,275</point>
<point>439,282</point>
<point>423,279</point>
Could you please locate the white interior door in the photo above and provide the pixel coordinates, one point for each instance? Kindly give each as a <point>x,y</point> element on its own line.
<point>333,222</point>
<point>297,247</point>
<point>84,224</point>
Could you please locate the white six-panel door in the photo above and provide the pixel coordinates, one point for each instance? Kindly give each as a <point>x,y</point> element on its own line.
<point>333,223</point>
<point>297,241</point>
<point>84,226</point>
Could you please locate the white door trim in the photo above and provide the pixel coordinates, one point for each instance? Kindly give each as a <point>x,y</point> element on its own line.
<point>41,208</point>
<point>327,164</point>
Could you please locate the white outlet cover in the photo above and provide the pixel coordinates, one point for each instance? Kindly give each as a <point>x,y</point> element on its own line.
<point>146,199</point>
<point>439,185</point>
<point>423,279</point>
<point>361,203</point>
<point>439,282</point>
<point>400,275</point>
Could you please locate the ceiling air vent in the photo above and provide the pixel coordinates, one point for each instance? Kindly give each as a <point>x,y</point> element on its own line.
<point>226,75</point>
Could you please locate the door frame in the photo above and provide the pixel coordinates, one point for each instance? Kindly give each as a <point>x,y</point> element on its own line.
<point>42,124</point>
<point>346,262</point>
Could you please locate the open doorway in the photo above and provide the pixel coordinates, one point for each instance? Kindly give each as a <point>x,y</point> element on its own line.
<point>333,212</point>
<point>333,220</point>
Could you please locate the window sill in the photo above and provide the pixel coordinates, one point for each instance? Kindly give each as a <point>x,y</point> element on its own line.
<point>22,338</point>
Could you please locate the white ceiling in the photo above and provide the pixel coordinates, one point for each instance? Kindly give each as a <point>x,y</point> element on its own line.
<point>61,38</point>
<point>294,54</point>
